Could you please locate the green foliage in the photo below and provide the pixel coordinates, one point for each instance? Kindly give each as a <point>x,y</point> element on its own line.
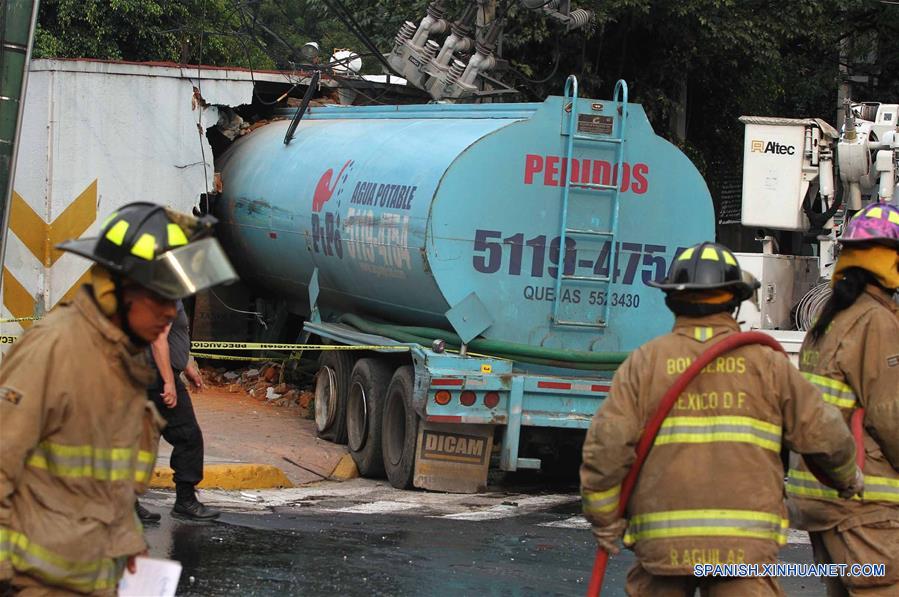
<point>145,30</point>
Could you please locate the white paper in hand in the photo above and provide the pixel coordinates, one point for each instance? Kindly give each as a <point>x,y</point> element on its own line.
<point>154,578</point>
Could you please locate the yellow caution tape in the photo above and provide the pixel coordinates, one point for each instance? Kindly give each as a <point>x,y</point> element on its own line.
<point>206,345</point>
<point>228,357</point>
<point>16,319</point>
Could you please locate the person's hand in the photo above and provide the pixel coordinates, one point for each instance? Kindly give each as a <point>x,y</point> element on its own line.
<point>607,537</point>
<point>169,395</point>
<point>194,377</point>
<point>857,487</point>
<point>131,564</point>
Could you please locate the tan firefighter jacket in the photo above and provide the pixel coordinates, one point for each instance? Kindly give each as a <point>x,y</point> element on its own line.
<point>856,365</point>
<point>78,441</point>
<point>711,489</point>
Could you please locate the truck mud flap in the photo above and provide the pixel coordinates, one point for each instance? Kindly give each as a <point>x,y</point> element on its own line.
<point>453,458</point>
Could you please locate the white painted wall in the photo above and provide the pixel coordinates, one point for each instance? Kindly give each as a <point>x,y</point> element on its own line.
<point>130,127</point>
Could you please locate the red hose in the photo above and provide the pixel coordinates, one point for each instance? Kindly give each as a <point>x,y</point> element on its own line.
<point>856,424</point>
<point>652,428</point>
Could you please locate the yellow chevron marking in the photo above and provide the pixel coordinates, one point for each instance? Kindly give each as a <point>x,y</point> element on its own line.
<point>17,299</point>
<point>40,236</point>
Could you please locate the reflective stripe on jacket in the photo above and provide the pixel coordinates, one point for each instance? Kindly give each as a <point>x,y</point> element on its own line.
<point>30,558</point>
<point>79,439</point>
<point>855,364</point>
<point>677,524</point>
<point>111,464</point>
<point>711,488</point>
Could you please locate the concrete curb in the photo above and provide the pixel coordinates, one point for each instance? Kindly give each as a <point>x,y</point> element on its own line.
<point>228,476</point>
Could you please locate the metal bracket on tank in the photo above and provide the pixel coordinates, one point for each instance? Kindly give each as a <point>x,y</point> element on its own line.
<point>469,317</point>
<point>314,314</point>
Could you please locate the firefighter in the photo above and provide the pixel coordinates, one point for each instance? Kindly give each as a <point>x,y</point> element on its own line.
<point>711,489</point>
<point>852,355</point>
<point>79,436</point>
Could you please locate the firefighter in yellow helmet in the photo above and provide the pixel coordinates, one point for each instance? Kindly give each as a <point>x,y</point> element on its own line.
<point>852,355</point>
<point>78,435</point>
<point>711,488</point>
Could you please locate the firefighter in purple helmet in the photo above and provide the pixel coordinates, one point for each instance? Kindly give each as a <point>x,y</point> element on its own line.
<point>852,355</point>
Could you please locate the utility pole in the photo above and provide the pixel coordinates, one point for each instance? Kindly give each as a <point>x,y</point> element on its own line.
<point>17,22</point>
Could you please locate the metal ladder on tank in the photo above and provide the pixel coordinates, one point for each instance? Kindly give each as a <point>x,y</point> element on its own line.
<point>619,97</point>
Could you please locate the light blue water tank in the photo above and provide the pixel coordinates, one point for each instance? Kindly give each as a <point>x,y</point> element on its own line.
<point>407,210</point>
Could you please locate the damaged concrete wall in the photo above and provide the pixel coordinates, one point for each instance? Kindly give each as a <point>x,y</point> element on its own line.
<point>97,135</point>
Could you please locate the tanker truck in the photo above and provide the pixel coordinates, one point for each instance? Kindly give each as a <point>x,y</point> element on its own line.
<point>485,264</point>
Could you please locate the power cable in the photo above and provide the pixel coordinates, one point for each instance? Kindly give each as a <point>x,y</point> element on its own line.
<point>200,130</point>
<point>557,53</point>
<point>551,74</point>
<point>375,100</point>
<point>347,19</point>
<point>255,314</point>
<point>812,303</point>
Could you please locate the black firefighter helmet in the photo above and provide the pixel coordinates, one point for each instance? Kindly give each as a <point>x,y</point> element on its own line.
<point>169,252</point>
<point>708,266</point>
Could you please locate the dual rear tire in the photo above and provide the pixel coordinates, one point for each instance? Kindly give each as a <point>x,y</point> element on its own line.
<point>365,402</point>
<point>400,429</point>
<point>368,405</point>
<point>331,385</point>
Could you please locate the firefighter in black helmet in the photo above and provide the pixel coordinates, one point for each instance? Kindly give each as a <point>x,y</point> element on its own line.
<point>711,488</point>
<point>698,285</point>
<point>164,251</point>
<point>79,437</point>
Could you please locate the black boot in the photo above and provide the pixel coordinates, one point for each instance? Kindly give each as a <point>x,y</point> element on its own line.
<point>194,511</point>
<point>187,506</point>
<point>145,515</point>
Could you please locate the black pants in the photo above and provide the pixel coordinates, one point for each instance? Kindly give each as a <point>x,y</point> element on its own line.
<point>183,432</point>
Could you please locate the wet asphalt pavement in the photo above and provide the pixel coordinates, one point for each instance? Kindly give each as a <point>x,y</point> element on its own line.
<point>289,551</point>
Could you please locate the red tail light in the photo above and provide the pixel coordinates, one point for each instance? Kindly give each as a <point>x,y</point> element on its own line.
<point>468,398</point>
<point>491,399</point>
<point>442,397</point>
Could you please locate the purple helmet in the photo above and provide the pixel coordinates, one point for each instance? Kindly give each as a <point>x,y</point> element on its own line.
<point>876,223</point>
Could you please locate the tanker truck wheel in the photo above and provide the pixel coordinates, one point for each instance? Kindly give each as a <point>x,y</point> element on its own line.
<point>400,429</point>
<point>365,403</point>
<point>331,385</point>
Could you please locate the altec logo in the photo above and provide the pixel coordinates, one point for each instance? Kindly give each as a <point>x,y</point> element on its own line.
<point>772,147</point>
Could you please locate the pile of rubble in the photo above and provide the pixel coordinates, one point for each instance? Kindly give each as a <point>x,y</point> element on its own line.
<point>264,383</point>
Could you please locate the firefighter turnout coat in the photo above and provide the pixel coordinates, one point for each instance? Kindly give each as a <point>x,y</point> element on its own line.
<point>856,365</point>
<point>78,440</point>
<point>711,489</point>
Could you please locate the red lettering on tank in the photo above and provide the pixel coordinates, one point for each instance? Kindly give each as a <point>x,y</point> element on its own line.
<point>640,184</point>
<point>552,170</point>
<point>602,172</point>
<point>625,177</point>
<point>634,177</point>
<point>325,189</point>
<point>532,165</point>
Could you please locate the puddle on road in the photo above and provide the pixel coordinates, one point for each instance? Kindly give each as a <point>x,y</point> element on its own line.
<point>283,555</point>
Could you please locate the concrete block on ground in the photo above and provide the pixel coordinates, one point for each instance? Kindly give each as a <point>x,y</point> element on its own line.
<point>345,469</point>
